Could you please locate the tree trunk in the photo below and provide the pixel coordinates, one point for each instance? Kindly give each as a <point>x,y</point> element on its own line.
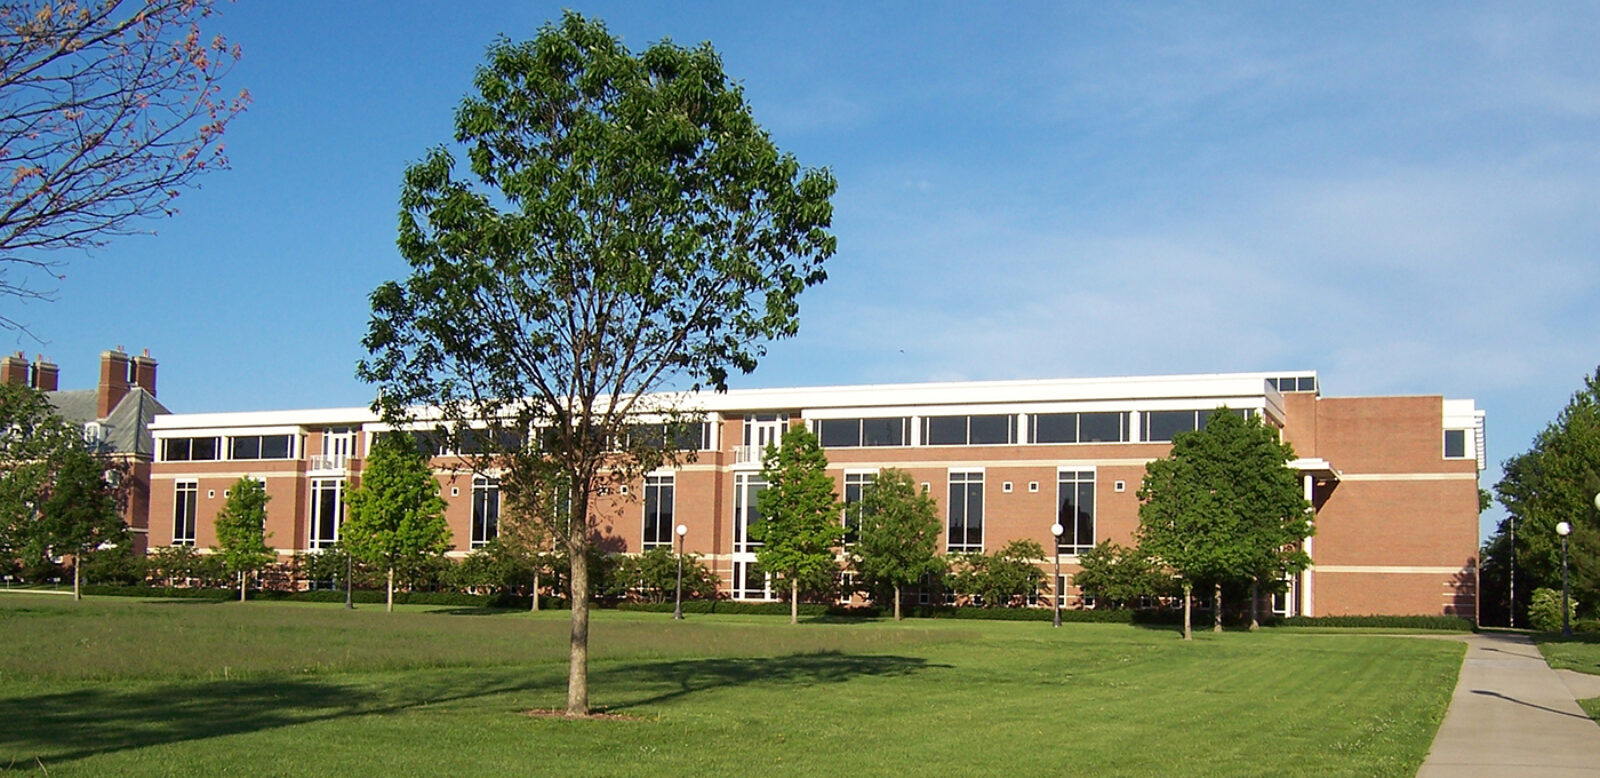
<point>77,578</point>
<point>1216,607</point>
<point>1188,589</point>
<point>794,601</point>
<point>535,598</point>
<point>578,665</point>
<point>897,602</point>
<point>389,607</point>
<point>241,586</point>
<point>1255,605</point>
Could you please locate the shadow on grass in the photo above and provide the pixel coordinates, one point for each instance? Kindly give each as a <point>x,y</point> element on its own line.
<point>60,727</point>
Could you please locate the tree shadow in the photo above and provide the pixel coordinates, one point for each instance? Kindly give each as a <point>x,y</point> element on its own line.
<point>683,678</point>
<point>66,726</point>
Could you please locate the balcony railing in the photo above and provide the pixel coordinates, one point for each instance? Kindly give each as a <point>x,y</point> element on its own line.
<point>745,454</point>
<point>326,462</point>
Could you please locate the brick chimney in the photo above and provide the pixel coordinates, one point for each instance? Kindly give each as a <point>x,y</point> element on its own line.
<point>113,381</point>
<point>144,372</point>
<point>46,375</point>
<point>14,369</point>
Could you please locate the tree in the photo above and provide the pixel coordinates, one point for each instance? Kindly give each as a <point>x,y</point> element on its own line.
<point>396,516</point>
<point>56,495</point>
<point>1002,577</point>
<point>654,575</point>
<point>897,535</point>
<point>242,531</point>
<point>107,110</point>
<point>1222,506</point>
<point>1556,480</point>
<point>1117,576</point>
<point>801,527</point>
<point>627,227</point>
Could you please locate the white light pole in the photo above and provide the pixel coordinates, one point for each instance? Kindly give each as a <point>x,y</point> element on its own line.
<point>677,607</point>
<point>1055,585</point>
<point>1564,529</point>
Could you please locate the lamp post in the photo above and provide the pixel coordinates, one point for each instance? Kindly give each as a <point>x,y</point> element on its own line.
<point>1564,529</point>
<point>1055,584</point>
<point>677,605</point>
<point>1512,609</point>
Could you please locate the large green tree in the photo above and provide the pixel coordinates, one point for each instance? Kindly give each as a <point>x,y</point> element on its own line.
<point>897,534</point>
<point>1000,578</point>
<point>1117,576</point>
<point>800,531</point>
<point>1555,480</point>
<point>242,531</point>
<point>57,496</point>
<point>623,227</point>
<point>1223,506</point>
<point>396,519</point>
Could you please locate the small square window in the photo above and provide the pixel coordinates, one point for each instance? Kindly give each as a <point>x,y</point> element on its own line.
<point>1005,486</point>
<point>227,492</point>
<point>1033,486</point>
<point>624,489</point>
<point>211,494</point>
<point>926,486</point>
<point>1121,486</point>
<point>455,491</point>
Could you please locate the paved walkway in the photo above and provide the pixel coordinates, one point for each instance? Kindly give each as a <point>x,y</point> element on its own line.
<point>1513,715</point>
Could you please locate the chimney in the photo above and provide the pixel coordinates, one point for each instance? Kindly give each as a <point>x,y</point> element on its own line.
<point>14,369</point>
<point>144,372</point>
<point>46,375</point>
<point>113,381</point>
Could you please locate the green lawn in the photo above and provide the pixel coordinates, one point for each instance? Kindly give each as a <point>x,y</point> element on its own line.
<point>118,687</point>
<point>1580,652</point>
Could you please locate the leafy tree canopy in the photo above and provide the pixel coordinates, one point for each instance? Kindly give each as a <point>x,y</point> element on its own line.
<point>897,535</point>
<point>396,516</point>
<point>241,529</point>
<point>1001,579</point>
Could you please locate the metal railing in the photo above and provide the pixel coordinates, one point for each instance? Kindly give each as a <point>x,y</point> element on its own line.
<point>328,461</point>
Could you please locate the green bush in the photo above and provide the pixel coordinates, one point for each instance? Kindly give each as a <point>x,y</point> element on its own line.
<point>1544,612</point>
<point>1444,623</point>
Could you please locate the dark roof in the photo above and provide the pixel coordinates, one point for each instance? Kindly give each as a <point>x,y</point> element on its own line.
<point>126,429</point>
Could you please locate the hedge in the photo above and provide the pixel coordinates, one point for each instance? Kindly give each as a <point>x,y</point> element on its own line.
<point>364,596</point>
<point>1445,623</point>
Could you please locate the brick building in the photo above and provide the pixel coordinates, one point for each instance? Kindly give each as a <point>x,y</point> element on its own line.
<point>115,416</point>
<point>1393,479</point>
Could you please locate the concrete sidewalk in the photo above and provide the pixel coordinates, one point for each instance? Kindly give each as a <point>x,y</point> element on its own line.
<point>1513,715</point>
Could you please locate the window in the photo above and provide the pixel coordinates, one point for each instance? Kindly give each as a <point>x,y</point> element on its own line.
<point>189,449</point>
<point>484,441</point>
<point>1455,444</point>
<point>845,433</point>
<point>966,512</point>
<point>1075,490</point>
<point>749,583</point>
<point>855,486</point>
<point>327,511</point>
<point>994,429</point>
<point>1097,427</point>
<point>747,489</point>
<point>186,495</point>
<point>658,524</point>
<point>684,436</point>
<point>485,510</point>
<point>260,447</point>
<point>1163,426</point>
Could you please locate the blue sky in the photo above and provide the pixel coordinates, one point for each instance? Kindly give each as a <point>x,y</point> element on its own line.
<point>1404,198</point>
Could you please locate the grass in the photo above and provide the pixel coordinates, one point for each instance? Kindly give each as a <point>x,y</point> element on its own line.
<point>117,687</point>
<point>1581,652</point>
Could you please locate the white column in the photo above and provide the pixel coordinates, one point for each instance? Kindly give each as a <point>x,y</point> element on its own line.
<point>1306,601</point>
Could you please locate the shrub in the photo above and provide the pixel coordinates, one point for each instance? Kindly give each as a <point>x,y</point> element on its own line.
<point>1544,612</point>
<point>1447,623</point>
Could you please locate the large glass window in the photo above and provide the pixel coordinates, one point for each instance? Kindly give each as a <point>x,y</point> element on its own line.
<point>327,511</point>
<point>1163,426</point>
<point>190,449</point>
<point>260,447</point>
<point>992,429</point>
<point>846,433</point>
<point>749,583</point>
<point>485,510</point>
<point>965,509</point>
<point>1075,488</point>
<point>186,495</point>
<point>683,436</point>
<point>1455,444</point>
<point>855,486</point>
<point>658,494</point>
<point>747,489</point>
<point>1096,427</point>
